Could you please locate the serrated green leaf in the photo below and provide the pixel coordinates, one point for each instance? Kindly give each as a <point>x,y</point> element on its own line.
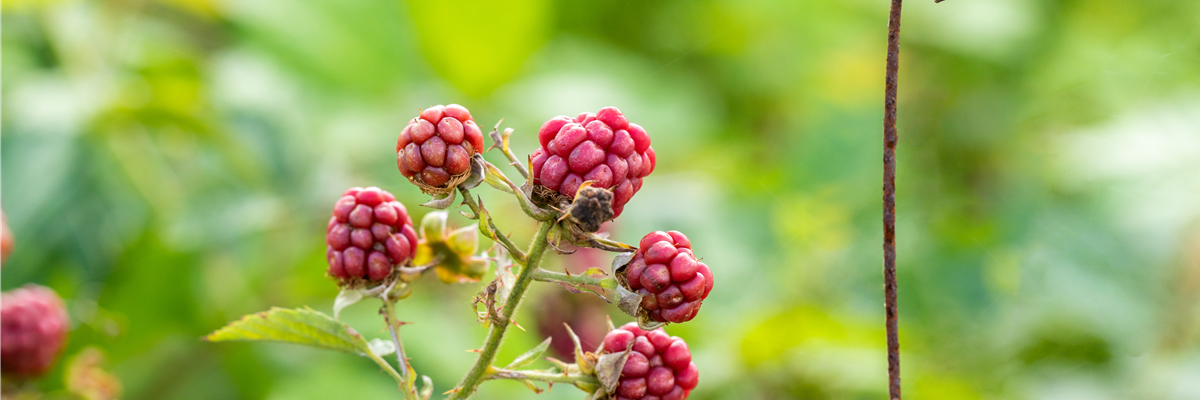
<point>303,326</point>
<point>530,356</point>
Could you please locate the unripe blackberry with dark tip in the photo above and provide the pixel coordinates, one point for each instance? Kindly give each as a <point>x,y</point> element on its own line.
<point>369,234</point>
<point>659,366</point>
<point>671,281</point>
<point>603,147</point>
<point>434,150</point>
<point>33,328</point>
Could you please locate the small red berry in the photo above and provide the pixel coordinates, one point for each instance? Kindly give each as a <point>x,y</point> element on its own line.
<point>671,281</point>
<point>436,147</point>
<point>658,367</point>
<point>369,234</point>
<point>602,147</point>
<point>33,327</point>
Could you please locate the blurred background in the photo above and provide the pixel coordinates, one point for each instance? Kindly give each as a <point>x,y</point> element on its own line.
<point>169,166</point>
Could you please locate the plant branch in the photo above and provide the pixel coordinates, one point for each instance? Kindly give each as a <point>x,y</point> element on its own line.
<point>499,326</point>
<point>492,232</point>
<point>389,317</point>
<point>575,377</point>
<point>889,200</point>
<point>498,138</point>
<point>542,275</point>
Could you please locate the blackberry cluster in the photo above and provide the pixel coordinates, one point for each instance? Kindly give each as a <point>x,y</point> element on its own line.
<point>603,147</point>
<point>666,273</point>
<point>436,147</point>
<point>369,234</point>
<point>659,366</point>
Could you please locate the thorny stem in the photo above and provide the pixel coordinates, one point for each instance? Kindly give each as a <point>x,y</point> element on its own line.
<point>575,378</point>
<point>493,232</point>
<point>542,275</point>
<point>889,201</point>
<point>499,326</point>
<point>389,317</point>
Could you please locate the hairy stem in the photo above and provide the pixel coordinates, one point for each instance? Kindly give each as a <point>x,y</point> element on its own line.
<point>889,201</point>
<point>390,318</point>
<point>495,334</point>
<point>542,275</point>
<point>493,232</point>
<point>576,378</point>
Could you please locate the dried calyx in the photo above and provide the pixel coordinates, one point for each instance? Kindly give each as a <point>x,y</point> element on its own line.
<point>592,207</point>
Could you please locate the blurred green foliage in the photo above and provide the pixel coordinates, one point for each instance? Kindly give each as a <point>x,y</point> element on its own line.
<point>168,166</point>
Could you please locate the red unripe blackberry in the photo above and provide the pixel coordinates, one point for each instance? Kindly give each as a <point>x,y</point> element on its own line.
<point>435,148</point>
<point>369,234</point>
<point>603,147</point>
<point>671,281</point>
<point>659,366</point>
<point>33,328</point>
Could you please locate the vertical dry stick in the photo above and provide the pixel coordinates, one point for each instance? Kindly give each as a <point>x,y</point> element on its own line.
<point>889,201</point>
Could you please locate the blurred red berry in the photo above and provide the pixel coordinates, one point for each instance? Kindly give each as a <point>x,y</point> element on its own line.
<point>33,328</point>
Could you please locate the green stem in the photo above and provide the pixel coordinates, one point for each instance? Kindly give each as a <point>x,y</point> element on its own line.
<point>487,355</point>
<point>493,232</point>
<point>389,317</point>
<point>542,275</point>
<point>391,371</point>
<point>576,378</point>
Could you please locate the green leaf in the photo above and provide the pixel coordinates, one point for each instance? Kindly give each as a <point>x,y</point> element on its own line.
<point>299,326</point>
<point>530,356</point>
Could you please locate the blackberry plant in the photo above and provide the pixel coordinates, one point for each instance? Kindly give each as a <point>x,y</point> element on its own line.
<point>584,172</point>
